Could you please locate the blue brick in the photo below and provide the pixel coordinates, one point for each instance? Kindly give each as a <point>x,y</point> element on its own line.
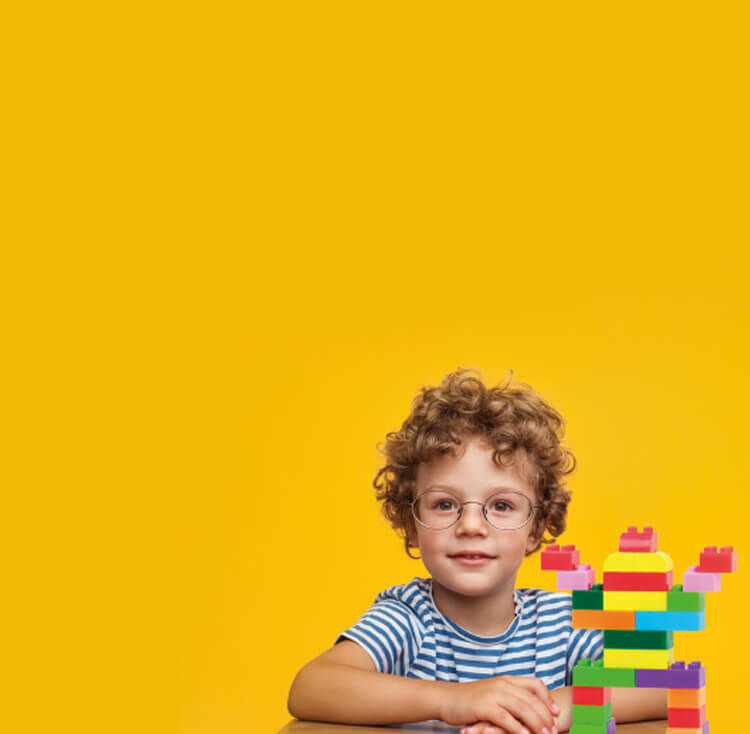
<point>691,621</point>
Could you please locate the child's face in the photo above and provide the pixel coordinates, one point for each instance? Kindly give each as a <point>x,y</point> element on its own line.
<point>472,475</point>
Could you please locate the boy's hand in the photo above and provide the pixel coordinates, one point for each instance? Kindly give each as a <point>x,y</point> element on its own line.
<point>513,704</point>
<point>563,720</point>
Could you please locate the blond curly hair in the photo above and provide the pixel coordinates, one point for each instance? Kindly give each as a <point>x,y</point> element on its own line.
<point>510,417</point>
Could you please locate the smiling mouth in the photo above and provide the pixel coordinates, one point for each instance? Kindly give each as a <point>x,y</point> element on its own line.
<point>472,556</point>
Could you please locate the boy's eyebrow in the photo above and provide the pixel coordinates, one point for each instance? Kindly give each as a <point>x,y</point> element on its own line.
<point>489,489</point>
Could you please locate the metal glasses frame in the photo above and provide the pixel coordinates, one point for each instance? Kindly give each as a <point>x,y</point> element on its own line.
<point>472,502</point>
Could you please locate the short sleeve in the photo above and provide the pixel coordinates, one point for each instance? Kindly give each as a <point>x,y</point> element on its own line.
<point>389,632</point>
<point>584,643</point>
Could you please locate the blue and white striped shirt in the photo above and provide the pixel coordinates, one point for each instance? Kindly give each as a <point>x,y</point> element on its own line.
<point>405,634</point>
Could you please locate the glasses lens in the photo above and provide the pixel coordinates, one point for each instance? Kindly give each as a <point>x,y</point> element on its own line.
<point>436,510</point>
<point>508,510</point>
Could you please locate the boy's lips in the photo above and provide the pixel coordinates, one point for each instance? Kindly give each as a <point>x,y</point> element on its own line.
<point>470,553</point>
<point>471,558</point>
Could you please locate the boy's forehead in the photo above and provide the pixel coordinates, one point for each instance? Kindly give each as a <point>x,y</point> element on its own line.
<point>474,465</point>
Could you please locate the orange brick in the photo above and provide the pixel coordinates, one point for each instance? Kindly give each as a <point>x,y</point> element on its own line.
<point>599,619</point>
<point>686,698</point>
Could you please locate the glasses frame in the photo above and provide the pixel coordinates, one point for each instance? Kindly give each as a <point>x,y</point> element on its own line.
<point>412,504</point>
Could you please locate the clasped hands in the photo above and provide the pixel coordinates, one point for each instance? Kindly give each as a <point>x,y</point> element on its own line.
<point>506,704</point>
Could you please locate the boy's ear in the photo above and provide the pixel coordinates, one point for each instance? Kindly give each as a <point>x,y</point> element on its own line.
<point>534,538</point>
<point>412,537</point>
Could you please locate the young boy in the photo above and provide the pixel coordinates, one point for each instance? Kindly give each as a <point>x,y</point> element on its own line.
<point>474,479</point>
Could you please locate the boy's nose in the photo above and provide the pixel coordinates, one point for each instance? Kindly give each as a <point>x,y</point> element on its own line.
<point>472,519</point>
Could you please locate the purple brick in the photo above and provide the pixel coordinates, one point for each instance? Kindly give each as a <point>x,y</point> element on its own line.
<point>612,730</point>
<point>678,676</point>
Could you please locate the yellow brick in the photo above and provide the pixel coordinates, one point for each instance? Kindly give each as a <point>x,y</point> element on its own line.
<point>638,658</point>
<point>658,562</point>
<point>640,601</point>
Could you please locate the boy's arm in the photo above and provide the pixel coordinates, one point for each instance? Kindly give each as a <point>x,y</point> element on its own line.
<point>639,704</point>
<point>343,685</point>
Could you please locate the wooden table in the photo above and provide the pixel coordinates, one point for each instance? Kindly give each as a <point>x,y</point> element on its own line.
<point>313,727</point>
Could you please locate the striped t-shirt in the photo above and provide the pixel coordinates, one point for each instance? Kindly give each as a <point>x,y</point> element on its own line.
<point>405,634</point>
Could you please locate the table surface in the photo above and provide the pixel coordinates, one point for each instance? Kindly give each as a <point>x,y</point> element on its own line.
<point>313,727</point>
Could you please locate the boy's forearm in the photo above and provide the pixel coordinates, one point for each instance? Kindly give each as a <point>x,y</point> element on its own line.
<point>639,704</point>
<point>345,694</point>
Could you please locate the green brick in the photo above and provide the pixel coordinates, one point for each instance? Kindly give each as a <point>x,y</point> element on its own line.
<point>592,714</point>
<point>588,729</point>
<point>638,639</point>
<point>592,599</point>
<point>685,601</point>
<point>586,674</point>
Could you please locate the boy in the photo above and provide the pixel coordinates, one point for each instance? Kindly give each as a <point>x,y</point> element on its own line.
<point>474,479</point>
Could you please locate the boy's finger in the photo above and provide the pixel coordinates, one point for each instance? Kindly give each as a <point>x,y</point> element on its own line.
<point>536,686</point>
<point>482,727</point>
<point>530,709</point>
<point>506,721</point>
<point>486,727</point>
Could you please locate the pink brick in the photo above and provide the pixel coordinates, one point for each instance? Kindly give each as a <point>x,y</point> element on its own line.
<point>694,580</point>
<point>581,579</point>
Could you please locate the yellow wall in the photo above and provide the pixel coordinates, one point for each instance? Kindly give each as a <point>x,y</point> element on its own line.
<point>236,243</point>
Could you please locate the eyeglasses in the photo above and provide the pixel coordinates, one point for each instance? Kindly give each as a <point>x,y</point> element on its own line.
<point>439,509</point>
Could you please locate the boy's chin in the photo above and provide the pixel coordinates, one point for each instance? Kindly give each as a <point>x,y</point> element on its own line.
<point>468,587</point>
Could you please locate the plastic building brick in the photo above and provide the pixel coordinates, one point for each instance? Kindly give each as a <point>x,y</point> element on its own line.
<point>600,620</point>
<point>614,658</point>
<point>684,718</point>
<point>676,621</point>
<point>638,608</point>
<point>592,599</point>
<point>555,558</point>
<point>686,698</point>
<point>700,730</point>
<point>723,561</point>
<point>679,600</point>
<point>639,639</point>
<point>608,728</point>
<point>637,581</point>
<point>694,580</point>
<point>581,579</point>
<point>652,601</point>
<point>634,542</point>
<point>677,676</point>
<point>583,714</point>
<point>588,674</point>
<point>596,696</point>
<point>658,562</point>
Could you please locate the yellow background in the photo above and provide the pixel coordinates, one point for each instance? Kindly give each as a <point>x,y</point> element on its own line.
<point>236,241</point>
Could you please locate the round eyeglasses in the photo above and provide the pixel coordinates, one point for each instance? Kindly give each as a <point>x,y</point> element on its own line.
<point>438,509</point>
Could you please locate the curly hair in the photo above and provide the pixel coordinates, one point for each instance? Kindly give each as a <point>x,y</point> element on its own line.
<point>510,417</point>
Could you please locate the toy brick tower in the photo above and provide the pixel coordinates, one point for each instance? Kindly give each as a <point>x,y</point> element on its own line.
<point>638,609</point>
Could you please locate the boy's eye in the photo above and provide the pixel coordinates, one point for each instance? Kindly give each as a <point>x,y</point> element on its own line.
<point>501,506</point>
<point>445,505</point>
